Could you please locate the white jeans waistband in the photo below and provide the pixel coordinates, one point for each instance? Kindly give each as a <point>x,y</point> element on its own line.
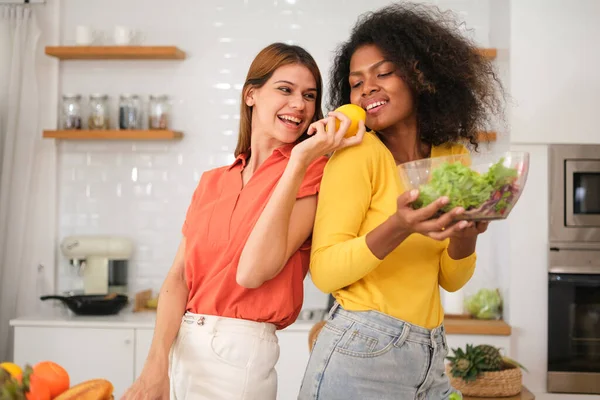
<point>213,323</point>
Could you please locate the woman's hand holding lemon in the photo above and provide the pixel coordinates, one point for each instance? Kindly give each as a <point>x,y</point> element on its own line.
<point>355,113</point>
<point>340,129</point>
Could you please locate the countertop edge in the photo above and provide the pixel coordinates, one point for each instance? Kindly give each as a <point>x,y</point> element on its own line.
<point>89,323</point>
<point>453,326</point>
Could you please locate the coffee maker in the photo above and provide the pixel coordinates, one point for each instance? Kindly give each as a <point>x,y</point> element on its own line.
<point>102,261</point>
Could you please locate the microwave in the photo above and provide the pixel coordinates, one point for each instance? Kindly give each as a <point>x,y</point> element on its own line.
<point>574,207</point>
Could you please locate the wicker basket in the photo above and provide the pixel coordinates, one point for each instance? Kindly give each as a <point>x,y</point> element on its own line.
<point>505,383</point>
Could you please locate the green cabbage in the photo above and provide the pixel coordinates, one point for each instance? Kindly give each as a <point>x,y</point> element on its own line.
<point>485,304</point>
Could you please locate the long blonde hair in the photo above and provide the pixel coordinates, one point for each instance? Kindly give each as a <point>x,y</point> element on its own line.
<point>262,68</point>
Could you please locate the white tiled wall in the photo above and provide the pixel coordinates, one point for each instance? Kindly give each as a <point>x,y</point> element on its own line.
<point>141,189</point>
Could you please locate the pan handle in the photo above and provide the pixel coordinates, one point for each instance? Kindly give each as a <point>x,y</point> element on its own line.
<point>53,297</point>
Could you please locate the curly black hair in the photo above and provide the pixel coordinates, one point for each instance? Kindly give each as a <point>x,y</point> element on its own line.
<point>455,88</point>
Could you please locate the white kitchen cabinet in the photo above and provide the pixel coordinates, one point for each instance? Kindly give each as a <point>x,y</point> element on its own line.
<point>143,340</point>
<point>293,358</point>
<point>86,353</point>
<point>116,347</point>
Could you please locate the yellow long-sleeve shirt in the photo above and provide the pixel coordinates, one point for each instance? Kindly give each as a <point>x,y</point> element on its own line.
<point>359,191</point>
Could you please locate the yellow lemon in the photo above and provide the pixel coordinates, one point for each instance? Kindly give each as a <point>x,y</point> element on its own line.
<point>355,113</point>
<point>13,369</point>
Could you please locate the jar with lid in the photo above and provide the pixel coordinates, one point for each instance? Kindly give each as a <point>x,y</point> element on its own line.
<point>130,112</point>
<point>158,112</point>
<point>71,112</point>
<point>99,112</point>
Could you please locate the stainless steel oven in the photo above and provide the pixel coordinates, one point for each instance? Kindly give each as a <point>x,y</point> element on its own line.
<point>574,321</point>
<point>574,269</point>
<point>574,194</point>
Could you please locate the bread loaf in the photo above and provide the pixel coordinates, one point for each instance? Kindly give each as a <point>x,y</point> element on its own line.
<point>95,389</point>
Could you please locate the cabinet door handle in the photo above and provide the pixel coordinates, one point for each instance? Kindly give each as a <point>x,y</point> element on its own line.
<point>127,341</point>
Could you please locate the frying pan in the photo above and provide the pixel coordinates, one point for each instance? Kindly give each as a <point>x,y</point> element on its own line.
<point>92,304</point>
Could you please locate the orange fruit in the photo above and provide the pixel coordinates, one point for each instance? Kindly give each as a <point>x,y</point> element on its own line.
<point>54,376</point>
<point>13,369</point>
<point>355,113</point>
<point>38,390</point>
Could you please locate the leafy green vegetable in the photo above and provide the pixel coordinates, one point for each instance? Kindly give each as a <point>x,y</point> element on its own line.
<point>466,188</point>
<point>498,175</point>
<point>485,304</point>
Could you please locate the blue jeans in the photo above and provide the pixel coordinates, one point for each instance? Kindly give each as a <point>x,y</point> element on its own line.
<point>370,355</point>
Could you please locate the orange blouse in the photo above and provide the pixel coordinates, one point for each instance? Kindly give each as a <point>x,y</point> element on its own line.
<point>218,222</point>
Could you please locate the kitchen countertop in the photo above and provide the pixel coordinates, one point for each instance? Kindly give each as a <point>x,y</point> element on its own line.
<point>127,319</point>
<point>471,326</point>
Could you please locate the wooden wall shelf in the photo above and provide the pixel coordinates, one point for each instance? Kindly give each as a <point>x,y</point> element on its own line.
<point>489,53</point>
<point>115,52</point>
<point>487,137</point>
<point>145,52</point>
<point>113,134</point>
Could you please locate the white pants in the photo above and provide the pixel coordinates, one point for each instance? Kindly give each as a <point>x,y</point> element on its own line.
<point>216,358</point>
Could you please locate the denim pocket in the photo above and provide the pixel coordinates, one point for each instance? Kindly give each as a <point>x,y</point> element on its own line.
<point>364,341</point>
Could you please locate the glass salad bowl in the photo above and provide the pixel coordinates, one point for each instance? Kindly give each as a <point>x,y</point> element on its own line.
<point>487,186</point>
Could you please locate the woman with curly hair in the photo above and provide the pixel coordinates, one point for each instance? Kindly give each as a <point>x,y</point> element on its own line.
<point>427,92</point>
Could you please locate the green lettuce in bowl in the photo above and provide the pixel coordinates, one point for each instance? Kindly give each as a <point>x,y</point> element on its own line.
<point>486,186</point>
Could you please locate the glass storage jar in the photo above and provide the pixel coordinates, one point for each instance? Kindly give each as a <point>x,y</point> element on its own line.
<point>130,112</point>
<point>99,112</point>
<point>158,112</point>
<point>71,112</point>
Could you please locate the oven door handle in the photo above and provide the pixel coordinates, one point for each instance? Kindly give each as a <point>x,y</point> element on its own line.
<point>574,269</point>
<point>580,280</point>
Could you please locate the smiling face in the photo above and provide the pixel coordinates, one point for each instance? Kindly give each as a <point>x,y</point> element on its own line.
<point>284,106</point>
<point>376,86</point>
